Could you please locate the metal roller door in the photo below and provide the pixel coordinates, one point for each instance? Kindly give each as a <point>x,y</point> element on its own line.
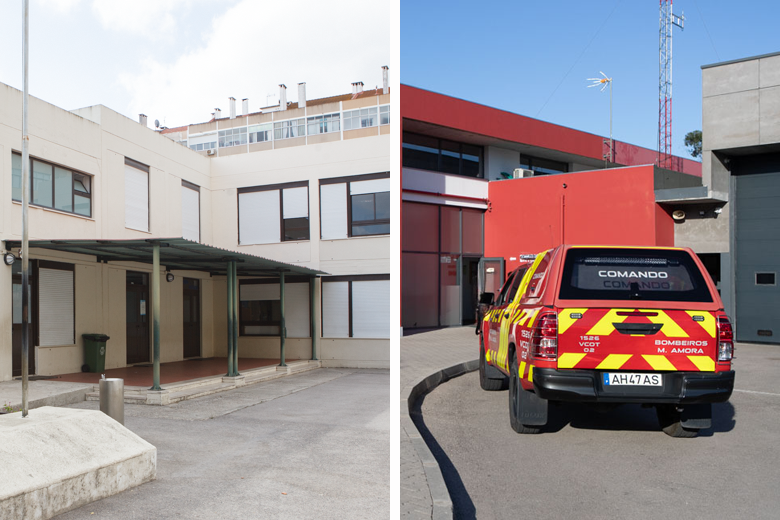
<point>757,237</point>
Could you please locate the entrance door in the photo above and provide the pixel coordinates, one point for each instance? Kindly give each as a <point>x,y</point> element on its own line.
<point>191,311</point>
<point>469,289</point>
<point>16,305</point>
<point>138,309</point>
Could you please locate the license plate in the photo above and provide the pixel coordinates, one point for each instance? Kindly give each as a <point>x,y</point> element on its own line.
<point>631,379</point>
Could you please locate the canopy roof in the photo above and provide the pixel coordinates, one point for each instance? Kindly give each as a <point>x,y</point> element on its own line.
<point>175,254</point>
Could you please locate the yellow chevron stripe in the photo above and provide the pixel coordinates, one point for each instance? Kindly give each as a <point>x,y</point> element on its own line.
<point>565,320</point>
<point>569,359</point>
<point>658,362</point>
<point>703,363</point>
<point>604,326</point>
<point>670,328</point>
<point>487,355</point>
<point>709,321</point>
<point>613,361</point>
<point>521,370</point>
<point>531,374</point>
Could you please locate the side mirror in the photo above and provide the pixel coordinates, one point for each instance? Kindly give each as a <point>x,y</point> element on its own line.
<point>486,298</point>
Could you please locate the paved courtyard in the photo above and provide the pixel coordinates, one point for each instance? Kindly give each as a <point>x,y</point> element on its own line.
<point>312,445</point>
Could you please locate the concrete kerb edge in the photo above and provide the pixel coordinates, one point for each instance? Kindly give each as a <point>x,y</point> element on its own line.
<point>442,502</point>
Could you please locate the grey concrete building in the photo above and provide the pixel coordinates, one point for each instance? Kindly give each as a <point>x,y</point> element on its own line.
<point>741,177</point>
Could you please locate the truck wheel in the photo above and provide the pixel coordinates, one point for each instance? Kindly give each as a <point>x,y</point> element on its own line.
<point>516,400</point>
<point>490,384</point>
<point>670,420</point>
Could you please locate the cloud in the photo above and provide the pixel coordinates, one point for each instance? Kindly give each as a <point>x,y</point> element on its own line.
<point>60,6</point>
<point>254,47</point>
<point>145,17</point>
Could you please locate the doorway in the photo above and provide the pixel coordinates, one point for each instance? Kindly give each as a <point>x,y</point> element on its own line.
<point>16,306</point>
<point>468,292</point>
<point>137,308</point>
<point>191,317</point>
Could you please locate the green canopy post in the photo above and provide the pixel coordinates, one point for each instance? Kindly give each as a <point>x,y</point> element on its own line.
<point>282,325</point>
<point>235,319</point>
<point>229,282</point>
<point>156,313</point>
<point>312,316</point>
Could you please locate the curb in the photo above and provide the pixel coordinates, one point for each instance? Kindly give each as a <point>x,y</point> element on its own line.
<point>442,503</point>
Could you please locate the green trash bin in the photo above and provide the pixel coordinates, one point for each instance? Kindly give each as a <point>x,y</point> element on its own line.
<point>94,352</point>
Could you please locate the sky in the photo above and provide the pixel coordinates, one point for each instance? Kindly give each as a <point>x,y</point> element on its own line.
<point>177,60</point>
<point>534,58</point>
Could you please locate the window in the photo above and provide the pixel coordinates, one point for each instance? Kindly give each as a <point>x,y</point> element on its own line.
<point>260,133</point>
<point>203,142</point>
<point>136,195</point>
<point>324,124</point>
<point>361,118</point>
<point>274,213</point>
<point>355,206</point>
<point>55,304</point>
<point>190,211</point>
<point>53,186</point>
<point>232,137</point>
<point>542,166</point>
<point>440,155</point>
<point>356,306</point>
<point>260,309</point>
<point>765,279</point>
<point>384,115</point>
<point>290,129</point>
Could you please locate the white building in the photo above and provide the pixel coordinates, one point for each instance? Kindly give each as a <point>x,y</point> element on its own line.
<point>304,183</point>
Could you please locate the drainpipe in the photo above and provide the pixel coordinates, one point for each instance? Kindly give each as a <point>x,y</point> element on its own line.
<point>282,324</point>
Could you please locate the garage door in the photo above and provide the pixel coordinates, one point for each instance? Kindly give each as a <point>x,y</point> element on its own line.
<point>758,249</point>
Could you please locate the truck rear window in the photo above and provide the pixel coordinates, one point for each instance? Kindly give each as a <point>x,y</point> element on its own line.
<point>632,274</point>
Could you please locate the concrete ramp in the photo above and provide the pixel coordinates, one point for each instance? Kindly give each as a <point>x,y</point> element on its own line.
<point>58,459</point>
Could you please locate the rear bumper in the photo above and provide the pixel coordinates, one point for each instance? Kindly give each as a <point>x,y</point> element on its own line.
<point>588,386</point>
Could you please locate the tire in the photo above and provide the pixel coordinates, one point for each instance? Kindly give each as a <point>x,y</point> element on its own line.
<point>669,420</point>
<point>515,400</point>
<point>486,383</point>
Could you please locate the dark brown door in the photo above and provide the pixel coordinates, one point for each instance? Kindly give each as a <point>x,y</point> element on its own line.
<point>191,317</point>
<point>138,310</point>
<point>16,303</point>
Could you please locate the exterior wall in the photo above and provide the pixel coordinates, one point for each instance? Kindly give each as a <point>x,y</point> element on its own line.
<point>95,140</point>
<point>602,207</point>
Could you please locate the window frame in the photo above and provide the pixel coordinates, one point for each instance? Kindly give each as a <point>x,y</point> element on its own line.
<point>405,144</point>
<point>347,181</point>
<point>289,124</point>
<point>279,188</point>
<point>328,120</point>
<point>236,136</point>
<point>357,115</point>
<point>58,266</point>
<point>73,192</point>
<point>349,279</point>
<point>195,188</point>
<point>266,281</point>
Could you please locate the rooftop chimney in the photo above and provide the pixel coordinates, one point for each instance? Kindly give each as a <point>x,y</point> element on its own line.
<point>245,106</point>
<point>232,108</point>
<point>282,97</point>
<point>385,86</point>
<point>301,95</point>
<point>142,119</point>
<point>217,113</point>
<point>357,87</point>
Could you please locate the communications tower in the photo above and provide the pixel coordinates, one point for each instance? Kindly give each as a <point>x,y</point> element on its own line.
<point>667,20</point>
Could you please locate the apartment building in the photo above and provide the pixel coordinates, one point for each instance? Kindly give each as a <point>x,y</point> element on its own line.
<point>299,190</point>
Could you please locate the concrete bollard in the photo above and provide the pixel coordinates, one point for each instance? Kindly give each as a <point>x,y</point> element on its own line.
<point>112,398</point>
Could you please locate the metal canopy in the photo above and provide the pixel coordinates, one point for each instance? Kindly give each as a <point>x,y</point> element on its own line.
<point>175,254</point>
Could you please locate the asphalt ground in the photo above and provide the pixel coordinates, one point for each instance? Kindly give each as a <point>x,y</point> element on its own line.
<point>617,464</point>
<point>311,445</point>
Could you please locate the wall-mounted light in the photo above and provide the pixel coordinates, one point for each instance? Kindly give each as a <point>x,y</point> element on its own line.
<point>9,258</point>
<point>169,277</point>
<point>678,215</point>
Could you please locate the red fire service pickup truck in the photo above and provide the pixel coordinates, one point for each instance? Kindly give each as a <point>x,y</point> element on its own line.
<point>609,325</point>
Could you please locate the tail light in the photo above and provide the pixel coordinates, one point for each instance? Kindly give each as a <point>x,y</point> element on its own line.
<point>544,342</point>
<point>725,339</point>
